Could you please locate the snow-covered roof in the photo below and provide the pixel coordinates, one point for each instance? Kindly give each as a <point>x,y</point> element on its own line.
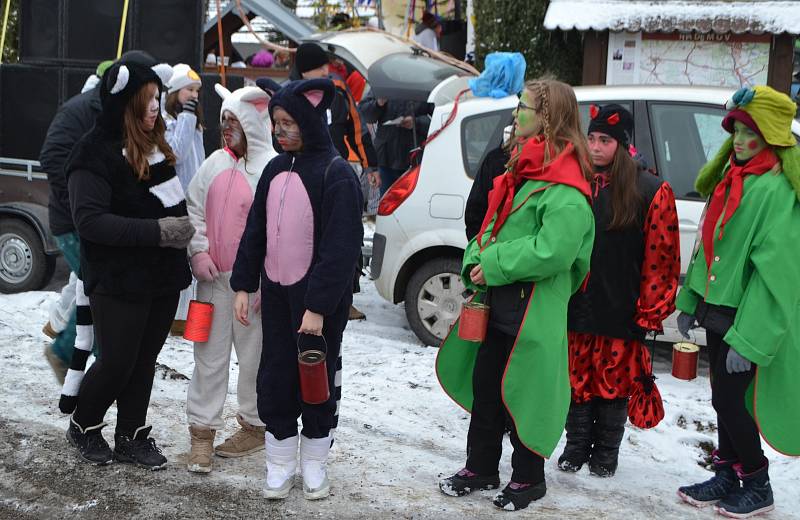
<point>755,16</point>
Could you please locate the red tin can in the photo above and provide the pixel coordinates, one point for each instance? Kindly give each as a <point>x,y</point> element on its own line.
<point>684,360</point>
<point>473,322</point>
<point>198,321</point>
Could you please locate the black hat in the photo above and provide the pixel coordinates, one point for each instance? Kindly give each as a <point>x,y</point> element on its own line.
<point>119,84</point>
<point>310,56</point>
<point>612,120</point>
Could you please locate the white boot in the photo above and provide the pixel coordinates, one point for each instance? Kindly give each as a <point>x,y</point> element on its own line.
<point>313,459</point>
<point>281,465</point>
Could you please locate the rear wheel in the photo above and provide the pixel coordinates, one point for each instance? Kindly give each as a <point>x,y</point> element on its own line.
<point>434,296</point>
<point>24,266</point>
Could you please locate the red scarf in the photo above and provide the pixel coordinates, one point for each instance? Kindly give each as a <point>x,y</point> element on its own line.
<point>562,169</point>
<point>724,200</point>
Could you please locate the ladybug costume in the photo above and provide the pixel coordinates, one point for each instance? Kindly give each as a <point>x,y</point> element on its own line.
<point>631,289</point>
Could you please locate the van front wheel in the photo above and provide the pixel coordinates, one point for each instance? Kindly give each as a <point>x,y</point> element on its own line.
<point>434,296</point>
<point>24,266</point>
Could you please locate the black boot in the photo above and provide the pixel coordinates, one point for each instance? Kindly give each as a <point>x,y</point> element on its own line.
<point>465,482</point>
<point>517,496</point>
<point>579,437</point>
<point>754,497</point>
<point>723,483</point>
<point>89,442</point>
<point>138,449</point>
<point>607,432</point>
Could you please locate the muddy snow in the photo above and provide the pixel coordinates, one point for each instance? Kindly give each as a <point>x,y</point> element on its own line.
<point>398,431</point>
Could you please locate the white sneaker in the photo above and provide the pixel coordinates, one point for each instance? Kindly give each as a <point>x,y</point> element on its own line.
<point>281,459</point>
<point>313,462</point>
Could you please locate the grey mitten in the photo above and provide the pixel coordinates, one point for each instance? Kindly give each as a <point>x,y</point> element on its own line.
<point>175,232</point>
<point>736,363</point>
<point>686,322</point>
<point>190,106</point>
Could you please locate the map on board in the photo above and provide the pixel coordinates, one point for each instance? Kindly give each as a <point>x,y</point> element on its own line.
<point>677,62</point>
<point>687,59</point>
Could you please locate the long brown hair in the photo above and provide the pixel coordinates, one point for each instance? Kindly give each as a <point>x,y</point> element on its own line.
<point>172,106</point>
<point>557,106</point>
<point>626,201</point>
<point>139,143</point>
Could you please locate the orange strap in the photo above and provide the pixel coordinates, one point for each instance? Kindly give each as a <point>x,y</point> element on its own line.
<point>356,118</point>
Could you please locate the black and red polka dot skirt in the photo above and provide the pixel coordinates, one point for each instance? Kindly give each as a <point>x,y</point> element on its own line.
<point>600,366</point>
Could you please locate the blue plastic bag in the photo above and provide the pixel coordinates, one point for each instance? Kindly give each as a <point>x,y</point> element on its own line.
<point>503,75</point>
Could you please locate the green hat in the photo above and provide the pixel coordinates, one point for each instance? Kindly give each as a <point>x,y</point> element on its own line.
<point>770,111</point>
<point>104,65</point>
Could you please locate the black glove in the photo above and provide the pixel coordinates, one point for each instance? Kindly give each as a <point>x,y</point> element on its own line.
<point>190,106</point>
<point>175,232</point>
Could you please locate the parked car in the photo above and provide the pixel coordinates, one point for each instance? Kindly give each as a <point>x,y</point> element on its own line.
<point>27,249</point>
<point>419,237</point>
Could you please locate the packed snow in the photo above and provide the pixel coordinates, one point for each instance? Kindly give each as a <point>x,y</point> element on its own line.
<point>398,432</point>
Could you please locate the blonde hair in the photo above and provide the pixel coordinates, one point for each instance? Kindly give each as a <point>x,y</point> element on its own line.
<point>557,107</point>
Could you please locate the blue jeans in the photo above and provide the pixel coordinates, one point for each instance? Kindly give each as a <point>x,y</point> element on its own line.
<point>69,245</point>
<point>388,176</point>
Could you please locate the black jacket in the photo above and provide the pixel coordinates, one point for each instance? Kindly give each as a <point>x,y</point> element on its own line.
<point>608,305</point>
<point>393,142</point>
<point>75,117</point>
<point>116,217</point>
<point>346,124</point>
<point>493,164</point>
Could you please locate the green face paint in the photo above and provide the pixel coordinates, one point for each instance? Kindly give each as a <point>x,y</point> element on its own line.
<point>746,143</point>
<point>527,119</point>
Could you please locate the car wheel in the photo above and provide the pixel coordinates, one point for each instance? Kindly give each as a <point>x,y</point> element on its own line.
<point>24,266</point>
<point>433,299</point>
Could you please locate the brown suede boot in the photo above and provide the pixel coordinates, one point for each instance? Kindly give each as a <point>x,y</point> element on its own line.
<point>178,327</point>
<point>356,314</point>
<point>58,366</point>
<point>48,331</point>
<point>249,439</point>
<point>202,449</point>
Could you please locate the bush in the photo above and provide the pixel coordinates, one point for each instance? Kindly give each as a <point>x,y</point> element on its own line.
<point>516,26</point>
<point>10,54</point>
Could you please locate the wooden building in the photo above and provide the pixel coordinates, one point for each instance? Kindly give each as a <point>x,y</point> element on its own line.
<point>676,42</point>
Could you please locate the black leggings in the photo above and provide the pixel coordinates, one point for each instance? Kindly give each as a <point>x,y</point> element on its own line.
<point>489,416</point>
<point>130,336</point>
<point>737,431</point>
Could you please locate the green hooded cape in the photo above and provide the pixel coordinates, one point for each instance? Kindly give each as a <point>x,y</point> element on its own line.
<point>547,239</point>
<point>756,269</point>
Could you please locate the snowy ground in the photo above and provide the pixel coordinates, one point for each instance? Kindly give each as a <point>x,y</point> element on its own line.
<point>397,432</point>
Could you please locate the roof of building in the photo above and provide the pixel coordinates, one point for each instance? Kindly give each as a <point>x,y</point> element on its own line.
<point>754,16</point>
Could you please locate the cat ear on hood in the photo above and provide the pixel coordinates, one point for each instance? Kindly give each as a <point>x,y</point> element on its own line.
<point>258,98</point>
<point>221,91</point>
<point>268,85</point>
<point>318,92</point>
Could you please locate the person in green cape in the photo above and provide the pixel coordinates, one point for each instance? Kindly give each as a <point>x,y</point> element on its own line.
<point>742,287</point>
<point>531,254</point>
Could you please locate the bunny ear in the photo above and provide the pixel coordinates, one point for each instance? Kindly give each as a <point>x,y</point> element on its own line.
<point>314,96</point>
<point>256,97</point>
<point>613,119</point>
<point>593,111</point>
<point>221,91</point>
